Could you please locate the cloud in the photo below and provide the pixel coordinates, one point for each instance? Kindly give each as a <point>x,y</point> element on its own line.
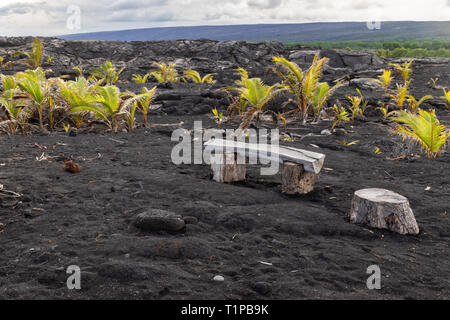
<point>21,8</point>
<point>45,17</point>
<point>265,4</point>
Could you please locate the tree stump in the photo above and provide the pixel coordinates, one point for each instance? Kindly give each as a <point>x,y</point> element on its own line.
<point>383,209</point>
<point>226,169</point>
<point>296,180</point>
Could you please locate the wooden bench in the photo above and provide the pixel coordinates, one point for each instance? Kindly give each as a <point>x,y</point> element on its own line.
<point>299,167</point>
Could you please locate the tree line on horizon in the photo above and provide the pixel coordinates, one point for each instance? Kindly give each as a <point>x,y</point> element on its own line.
<point>388,49</point>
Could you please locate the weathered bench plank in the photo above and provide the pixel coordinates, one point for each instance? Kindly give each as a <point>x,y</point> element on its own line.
<point>311,161</point>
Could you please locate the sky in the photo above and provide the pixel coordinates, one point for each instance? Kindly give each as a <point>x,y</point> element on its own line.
<point>57,17</point>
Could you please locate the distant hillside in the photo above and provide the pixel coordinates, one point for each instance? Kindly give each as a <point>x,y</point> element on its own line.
<point>330,31</point>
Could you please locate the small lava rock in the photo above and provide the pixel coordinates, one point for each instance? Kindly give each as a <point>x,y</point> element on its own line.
<point>159,220</point>
<point>190,220</point>
<point>262,288</point>
<point>340,132</point>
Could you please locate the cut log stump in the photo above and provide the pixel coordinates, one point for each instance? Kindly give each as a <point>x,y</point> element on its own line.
<point>295,180</point>
<point>383,209</point>
<point>225,168</point>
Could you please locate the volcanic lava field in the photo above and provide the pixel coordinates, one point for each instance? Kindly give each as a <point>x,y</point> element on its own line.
<point>265,244</point>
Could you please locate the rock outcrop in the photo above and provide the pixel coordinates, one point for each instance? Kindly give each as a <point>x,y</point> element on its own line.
<point>204,55</point>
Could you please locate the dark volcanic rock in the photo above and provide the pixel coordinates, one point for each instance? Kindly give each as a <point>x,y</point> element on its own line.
<point>207,56</point>
<point>263,288</point>
<point>190,220</point>
<point>159,220</point>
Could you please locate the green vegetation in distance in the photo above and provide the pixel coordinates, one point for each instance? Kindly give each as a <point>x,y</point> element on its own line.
<point>388,49</point>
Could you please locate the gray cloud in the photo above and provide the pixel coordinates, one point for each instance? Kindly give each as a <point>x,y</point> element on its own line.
<point>45,17</point>
<point>265,4</point>
<point>20,8</point>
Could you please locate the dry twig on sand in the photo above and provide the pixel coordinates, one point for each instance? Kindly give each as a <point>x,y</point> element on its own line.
<point>8,194</point>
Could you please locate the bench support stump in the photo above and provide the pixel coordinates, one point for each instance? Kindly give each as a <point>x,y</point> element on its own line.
<point>296,180</point>
<point>226,169</point>
<point>383,209</point>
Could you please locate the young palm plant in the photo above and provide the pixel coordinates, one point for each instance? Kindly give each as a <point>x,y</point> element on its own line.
<point>34,85</point>
<point>321,95</point>
<point>33,57</point>
<point>141,79</point>
<point>146,98</point>
<point>404,69</point>
<point>13,105</point>
<point>76,93</point>
<point>302,84</point>
<point>109,106</point>
<point>218,117</point>
<point>106,105</point>
<point>400,96</point>
<point>197,78</point>
<point>107,72</point>
<point>130,116</point>
<point>256,95</point>
<point>340,115</point>
<point>355,107</point>
<point>358,105</point>
<point>165,73</point>
<point>385,80</point>
<point>422,128</point>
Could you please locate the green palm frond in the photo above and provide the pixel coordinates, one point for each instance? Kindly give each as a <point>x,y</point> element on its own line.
<point>105,104</point>
<point>197,78</point>
<point>321,95</point>
<point>292,66</point>
<point>313,75</point>
<point>96,109</point>
<point>255,92</point>
<point>400,95</point>
<point>414,104</point>
<point>446,97</point>
<point>76,93</point>
<point>109,98</point>
<point>9,83</point>
<point>33,87</point>
<point>422,128</point>
<point>209,78</point>
<point>140,79</point>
